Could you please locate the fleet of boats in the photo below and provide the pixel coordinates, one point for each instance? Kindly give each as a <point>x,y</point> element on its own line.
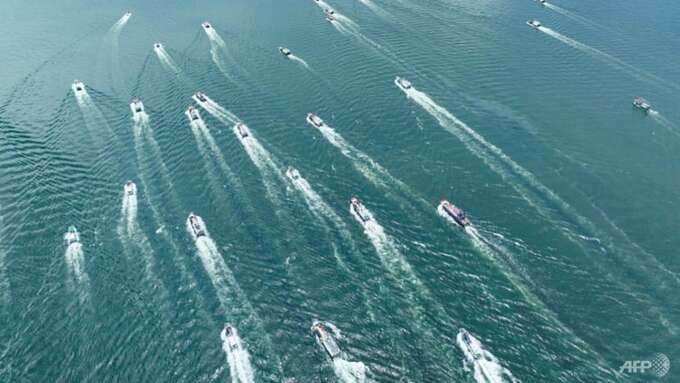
<point>469,345</point>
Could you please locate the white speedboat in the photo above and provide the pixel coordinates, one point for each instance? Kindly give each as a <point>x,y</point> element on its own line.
<point>471,347</point>
<point>192,114</point>
<point>642,104</point>
<point>229,335</point>
<point>285,51</point>
<point>293,173</point>
<point>130,188</point>
<point>330,15</point>
<point>454,212</point>
<point>314,120</point>
<point>403,83</point>
<point>242,130</point>
<point>136,106</point>
<point>206,25</point>
<point>158,46</point>
<point>128,14</point>
<point>71,236</point>
<point>534,24</point>
<point>78,86</point>
<point>195,225</point>
<point>542,2</point>
<point>325,339</point>
<point>200,97</point>
<point>359,210</point>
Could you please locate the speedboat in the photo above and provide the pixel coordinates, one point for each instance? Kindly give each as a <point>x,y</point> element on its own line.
<point>455,213</point>
<point>293,173</point>
<point>403,83</point>
<point>325,339</point>
<point>229,335</point>
<point>242,129</point>
<point>285,51</point>
<point>158,45</point>
<point>470,346</point>
<point>71,236</point>
<point>206,25</point>
<point>130,188</point>
<point>359,210</point>
<point>642,104</point>
<point>136,106</point>
<point>330,15</point>
<point>314,120</point>
<point>542,2</point>
<point>534,23</point>
<point>196,226</point>
<point>128,14</point>
<point>200,96</point>
<point>193,115</point>
<point>78,86</point>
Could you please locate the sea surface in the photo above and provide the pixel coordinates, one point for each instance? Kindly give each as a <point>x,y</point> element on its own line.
<point>569,269</point>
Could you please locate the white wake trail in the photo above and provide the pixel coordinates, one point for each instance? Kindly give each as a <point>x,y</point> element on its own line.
<point>215,109</point>
<point>375,8</point>
<point>485,366</point>
<point>114,36</point>
<point>212,145</point>
<point>240,369</point>
<point>166,61</point>
<point>120,24</point>
<point>263,160</point>
<point>607,58</point>
<point>364,164</point>
<point>143,130</point>
<point>259,156</point>
<point>325,213</point>
<point>350,372</point>
<point>93,117</point>
<point>299,60</point>
<point>663,121</point>
<point>232,299</point>
<point>573,16</point>
<point>400,269</point>
<point>75,261</point>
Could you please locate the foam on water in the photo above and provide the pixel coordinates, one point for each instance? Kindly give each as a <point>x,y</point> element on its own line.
<point>572,15</point>
<point>118,26</point>
<point>485,366</point>
<point>299,60</point>
<point>215,109</point>
<point>204,132</point>
<point>142,129</point>
<point>663,121</point>
<point>93,117</point>
<point>350,372</point>
<point>75,261</point>
<point>373,171</point>
<point>238,358</point>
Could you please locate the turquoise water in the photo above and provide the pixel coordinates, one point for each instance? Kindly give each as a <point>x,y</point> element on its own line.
<point>569,271</point>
